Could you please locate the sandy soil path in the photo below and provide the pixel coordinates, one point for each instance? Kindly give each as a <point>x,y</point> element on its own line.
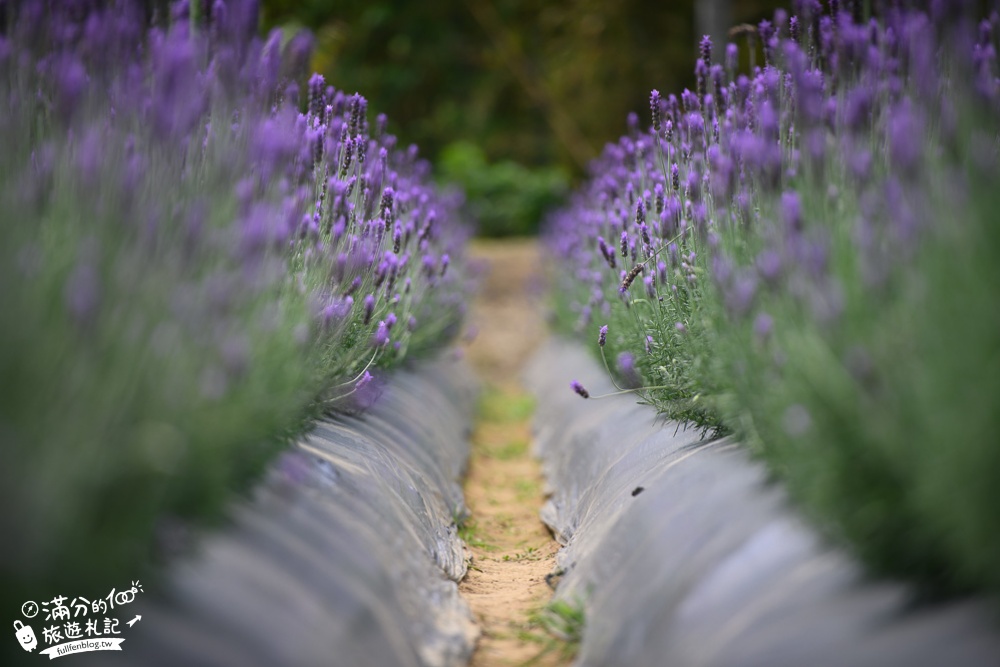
<point>511,549</point>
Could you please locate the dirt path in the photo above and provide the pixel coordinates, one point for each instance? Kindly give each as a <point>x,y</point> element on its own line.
<point>511,549</point>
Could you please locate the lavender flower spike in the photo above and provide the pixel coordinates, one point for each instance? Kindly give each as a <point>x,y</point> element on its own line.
<point>578,388</point>
<point>364,380</point>
<point>602,336</point>
<point>369,308</point>
<point>705,49</point>
<point>654,107</point>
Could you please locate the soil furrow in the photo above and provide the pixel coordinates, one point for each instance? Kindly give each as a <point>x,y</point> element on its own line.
<point>511,550</point>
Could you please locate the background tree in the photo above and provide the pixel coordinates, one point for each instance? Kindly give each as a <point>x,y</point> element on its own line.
<point>544,85</point>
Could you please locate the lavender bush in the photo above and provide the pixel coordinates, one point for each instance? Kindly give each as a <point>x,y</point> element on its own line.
<point>808,255</point>
<point>200,250</point>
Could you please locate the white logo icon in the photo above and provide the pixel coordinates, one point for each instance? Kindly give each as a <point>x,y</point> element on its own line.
<point>25,635</point>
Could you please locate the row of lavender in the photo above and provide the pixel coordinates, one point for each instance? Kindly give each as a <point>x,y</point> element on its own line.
<point>198,252</point>
<point>809,255</point>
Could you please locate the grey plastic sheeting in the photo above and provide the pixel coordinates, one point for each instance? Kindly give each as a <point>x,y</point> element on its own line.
<point>346,554</point>
<point>683,555</point>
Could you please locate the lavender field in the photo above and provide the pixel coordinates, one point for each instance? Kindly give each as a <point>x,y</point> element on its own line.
<point>219,272</point>
<point>202,249</point>
<point>805,254</point>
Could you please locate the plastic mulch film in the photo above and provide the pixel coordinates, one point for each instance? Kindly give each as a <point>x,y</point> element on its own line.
<point>680,553</point>
<point>345,555</point>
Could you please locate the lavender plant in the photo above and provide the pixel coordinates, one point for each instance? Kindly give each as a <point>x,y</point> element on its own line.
<point>196,257</point>
<point>826,249</point>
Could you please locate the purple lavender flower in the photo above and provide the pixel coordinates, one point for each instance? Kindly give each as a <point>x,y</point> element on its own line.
<point>705,49</point>
<point>602,335</point>
<point>655,107</point>
<point>740,295</point>
<point>763,325</point>
<point>732,57</point>
<point>906,134</point>
<point>791,211</point>
<point>369,304</point>
<point>627,370</point>
<point>381,336</point>
<point>578,388</point>
<point>768,264</point>
<point>72,80</point>
<point>607,252</point>
<point>317,94</point>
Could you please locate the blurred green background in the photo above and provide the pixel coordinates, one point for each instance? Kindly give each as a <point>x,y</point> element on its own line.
<point>511,98</point>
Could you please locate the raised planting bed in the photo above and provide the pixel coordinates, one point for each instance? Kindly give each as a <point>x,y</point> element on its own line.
<point>678,551</point>
<point>345,554</point>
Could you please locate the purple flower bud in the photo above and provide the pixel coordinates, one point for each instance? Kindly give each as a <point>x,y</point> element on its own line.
<point>354,286</point>
<point>769,266</point>
<point>317,94</point>
<point>732,57</point>
<point>609,255</point>
<point>624,244</point>
<point>369,308</point>
<point>363,381</point>
<point>72,83</point>
<point>791,211</point>
<point>655,103</point>
<point>859,161</point>
<point>385,209</point>
<point>740,296</point>
<point>705,49</point>
<point>680,327</point>
<point>381,336</point>
<point>627,370</point>
<point>299,50</point>
<point>602,335</point>
<point>722,269</point>
<point>763,324</point>
<point>905,138</point>
<point>578,388</point>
